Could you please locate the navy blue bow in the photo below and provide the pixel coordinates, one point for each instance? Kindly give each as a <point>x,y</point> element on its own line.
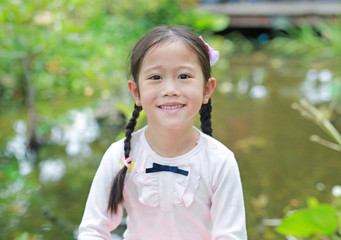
<point>165,168</point>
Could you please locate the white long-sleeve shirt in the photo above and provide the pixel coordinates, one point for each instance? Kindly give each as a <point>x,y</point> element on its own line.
<point>205,204</point>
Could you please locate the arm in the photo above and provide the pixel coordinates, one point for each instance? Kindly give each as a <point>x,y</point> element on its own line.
<point>97,222</point>
<point>227,210</point>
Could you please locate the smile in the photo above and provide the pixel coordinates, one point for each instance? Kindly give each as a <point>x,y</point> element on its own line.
<point>171,107</point>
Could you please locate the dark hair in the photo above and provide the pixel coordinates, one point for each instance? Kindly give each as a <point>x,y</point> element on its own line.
<point>157,36</point>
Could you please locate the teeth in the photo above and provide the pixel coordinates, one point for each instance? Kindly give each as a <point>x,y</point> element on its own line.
<point>171,107</point>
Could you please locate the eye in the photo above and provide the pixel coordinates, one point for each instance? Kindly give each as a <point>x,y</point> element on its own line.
<point>183,76</point>
<point>155,77</point>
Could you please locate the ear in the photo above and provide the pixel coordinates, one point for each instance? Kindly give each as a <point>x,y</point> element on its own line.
<point>209,88</point>
<point>134,92</point>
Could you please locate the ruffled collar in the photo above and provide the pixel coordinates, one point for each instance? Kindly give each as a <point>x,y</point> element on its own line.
<point>167,189</point>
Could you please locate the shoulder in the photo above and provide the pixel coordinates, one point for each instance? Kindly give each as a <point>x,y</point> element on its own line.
<point>116,149</point>
<point>217,151</point>
<point>218,162</point>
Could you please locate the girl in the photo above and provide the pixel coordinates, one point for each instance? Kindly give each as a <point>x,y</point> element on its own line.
<point>176,182</point>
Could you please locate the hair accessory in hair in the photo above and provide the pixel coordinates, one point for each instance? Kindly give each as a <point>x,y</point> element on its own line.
<point>128,163</point>
<point>214,54</point>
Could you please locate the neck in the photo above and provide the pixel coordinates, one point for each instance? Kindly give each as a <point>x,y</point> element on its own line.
<point>170,142</point>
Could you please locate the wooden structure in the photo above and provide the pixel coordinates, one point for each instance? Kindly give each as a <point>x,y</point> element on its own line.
<point>274,14</point>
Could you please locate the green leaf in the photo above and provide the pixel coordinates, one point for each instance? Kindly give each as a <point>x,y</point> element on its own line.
<point>43,128</point>
<point>208,21</point>
<point>303,223</point>
<point>23,236</point>
<point>312,202</point>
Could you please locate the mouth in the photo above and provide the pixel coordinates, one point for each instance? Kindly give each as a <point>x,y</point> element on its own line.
<point>171,107</point>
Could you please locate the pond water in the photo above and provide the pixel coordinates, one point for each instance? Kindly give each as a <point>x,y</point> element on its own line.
<point>252,115</point>
<point>280,167</point>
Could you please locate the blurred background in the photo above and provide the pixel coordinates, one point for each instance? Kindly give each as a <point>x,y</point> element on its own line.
<point>64,100</point>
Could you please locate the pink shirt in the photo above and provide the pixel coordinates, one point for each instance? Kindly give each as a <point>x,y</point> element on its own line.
<point>205,204</point>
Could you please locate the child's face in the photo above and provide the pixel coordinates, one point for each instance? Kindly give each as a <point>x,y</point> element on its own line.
<point>171,86</point>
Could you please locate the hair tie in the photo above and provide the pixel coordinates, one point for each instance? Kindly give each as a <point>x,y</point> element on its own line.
<point>128,163</point>
<point>214,54</point>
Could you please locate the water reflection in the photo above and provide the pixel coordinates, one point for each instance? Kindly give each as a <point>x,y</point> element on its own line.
<point>51,170</point>
<point>79,134</point>
<point>17,147</point>
<point>316,87</point>
<point>336,191</point>
<point>76,136</point>
<point>258,91</point>
<point>252,86</point>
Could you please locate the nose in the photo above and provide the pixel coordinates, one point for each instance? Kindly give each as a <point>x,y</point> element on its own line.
<point>170,88</point>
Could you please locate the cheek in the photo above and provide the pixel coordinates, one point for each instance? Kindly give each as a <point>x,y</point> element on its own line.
<point>196,91</point>
<point>147,94</point>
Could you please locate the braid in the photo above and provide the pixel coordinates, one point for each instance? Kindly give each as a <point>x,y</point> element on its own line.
<point>116,193</point>
<point>130,129</point>
<point>205,118</point>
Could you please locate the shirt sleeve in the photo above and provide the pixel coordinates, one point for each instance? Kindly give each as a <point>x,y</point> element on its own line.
<point>227,210</point>
<point>98,222</point>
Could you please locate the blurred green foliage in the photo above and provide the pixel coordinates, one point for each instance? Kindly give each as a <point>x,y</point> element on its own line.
<point>322,39</point>
<point>81,46</point>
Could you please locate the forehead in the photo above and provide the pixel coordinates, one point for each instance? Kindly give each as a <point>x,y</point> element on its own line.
<point>170,50</point>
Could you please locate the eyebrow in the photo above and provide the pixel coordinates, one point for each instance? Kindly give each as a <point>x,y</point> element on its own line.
<point>152,69</point>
